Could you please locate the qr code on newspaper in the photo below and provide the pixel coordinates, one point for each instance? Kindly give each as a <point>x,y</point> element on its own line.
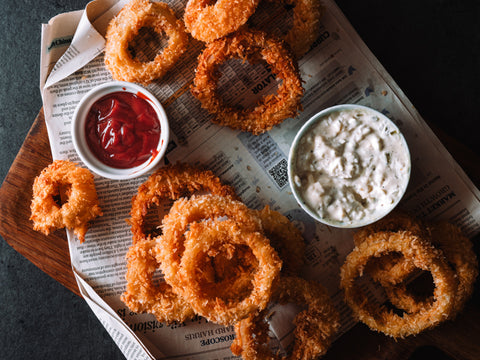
<point>279,173</point>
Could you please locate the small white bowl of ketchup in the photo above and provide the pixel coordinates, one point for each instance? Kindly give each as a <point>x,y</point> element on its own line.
<point>120,130</point>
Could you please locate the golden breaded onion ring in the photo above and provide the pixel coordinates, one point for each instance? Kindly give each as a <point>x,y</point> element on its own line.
<point>397,220</point>
<point>138,14</point>
<point>208,20</point>
<point>203,242</point>
<point>79,208</point>
<point>142,295</point>
<point>285,238</point>
<point>458,251</point>
<point>424,256</point>
<point>315,327</point>
<point>392,268</point>
<point>306,24</point>
<point>271,109</point>
<point>172,182</point>
<point>197,208</point>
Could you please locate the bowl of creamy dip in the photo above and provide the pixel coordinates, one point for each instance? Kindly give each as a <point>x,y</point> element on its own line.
<point>349,166</point>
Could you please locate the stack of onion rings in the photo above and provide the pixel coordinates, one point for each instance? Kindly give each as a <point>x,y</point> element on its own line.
<point>250,45</point>
<point>208,22</point>
<point>424,256</point>
<point>459,253</point>
<point>184,212</point>
<point>220,260</point>
<point>208,239</point>
<point>78,209</point>
<point>409,244</point>
<point>170,182</point>
<point>136,15</point>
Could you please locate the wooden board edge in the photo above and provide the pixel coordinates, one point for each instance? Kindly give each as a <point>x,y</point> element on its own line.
<point>49,253</point>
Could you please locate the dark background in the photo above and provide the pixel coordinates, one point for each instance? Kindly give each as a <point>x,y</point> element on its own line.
<point>430,47</point>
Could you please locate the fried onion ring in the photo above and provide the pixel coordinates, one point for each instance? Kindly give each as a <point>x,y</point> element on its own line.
<point>142,295</point>
<point>424,256</point>
<point>392,268</point>
<point>172,182</point>
<point>306,24</point>
<point>285,238</point>
<point>397,220</point>
<point>272,109</point>
<point>122,29</point>
<point>315,327</point>
<point>81,205</point>
<point>458,250</point>
<point>208,22</point>
<point>208,239</point>
<point>197,208</point>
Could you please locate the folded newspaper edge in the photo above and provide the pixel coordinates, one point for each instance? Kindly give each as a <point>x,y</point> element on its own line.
<point>112,322</point>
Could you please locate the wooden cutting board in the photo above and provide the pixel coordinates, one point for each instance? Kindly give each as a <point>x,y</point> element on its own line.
<point>459,339</point>
<point>49,253</point>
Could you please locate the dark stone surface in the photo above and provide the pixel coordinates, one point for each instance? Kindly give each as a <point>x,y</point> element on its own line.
<point>430,47</point>
<point>39,318</point>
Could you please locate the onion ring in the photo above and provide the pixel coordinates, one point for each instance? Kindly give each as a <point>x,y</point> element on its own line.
<point>138,14</point>
<point>272,109</point>
<point>172,182</point>
<point>232,275</point>
<point>315,327</point>
<point>458,250</point>
<point>400,297</point>
<point>306,24</point>
<point>424,256</point>
<point>397,220</point>
<point>208,239</point>
<point>392,268</point>
<point>208,22</point>
<point>285,238</point>
<point>184,212</point>
<point>142,295</point>
<point>80,207</point>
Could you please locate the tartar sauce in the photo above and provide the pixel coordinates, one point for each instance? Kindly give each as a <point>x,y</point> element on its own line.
<point>351,165</point>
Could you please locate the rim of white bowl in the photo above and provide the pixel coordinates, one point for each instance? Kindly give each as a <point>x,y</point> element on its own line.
<point>79,138</point>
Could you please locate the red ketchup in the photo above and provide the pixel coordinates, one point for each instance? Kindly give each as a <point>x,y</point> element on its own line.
<point>122,129</point>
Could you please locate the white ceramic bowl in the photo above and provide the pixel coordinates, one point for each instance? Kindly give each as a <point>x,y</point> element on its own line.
<point>330,212</point>
<point>79,137</point>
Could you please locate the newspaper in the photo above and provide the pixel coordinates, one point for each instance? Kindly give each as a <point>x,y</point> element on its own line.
<point>339,68</point>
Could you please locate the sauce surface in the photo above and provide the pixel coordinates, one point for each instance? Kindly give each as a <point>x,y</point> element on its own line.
<point>352,165</point>
<point>122,129</point>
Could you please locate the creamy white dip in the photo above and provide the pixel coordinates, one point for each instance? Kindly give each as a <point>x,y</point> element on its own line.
<point>351,165</point>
